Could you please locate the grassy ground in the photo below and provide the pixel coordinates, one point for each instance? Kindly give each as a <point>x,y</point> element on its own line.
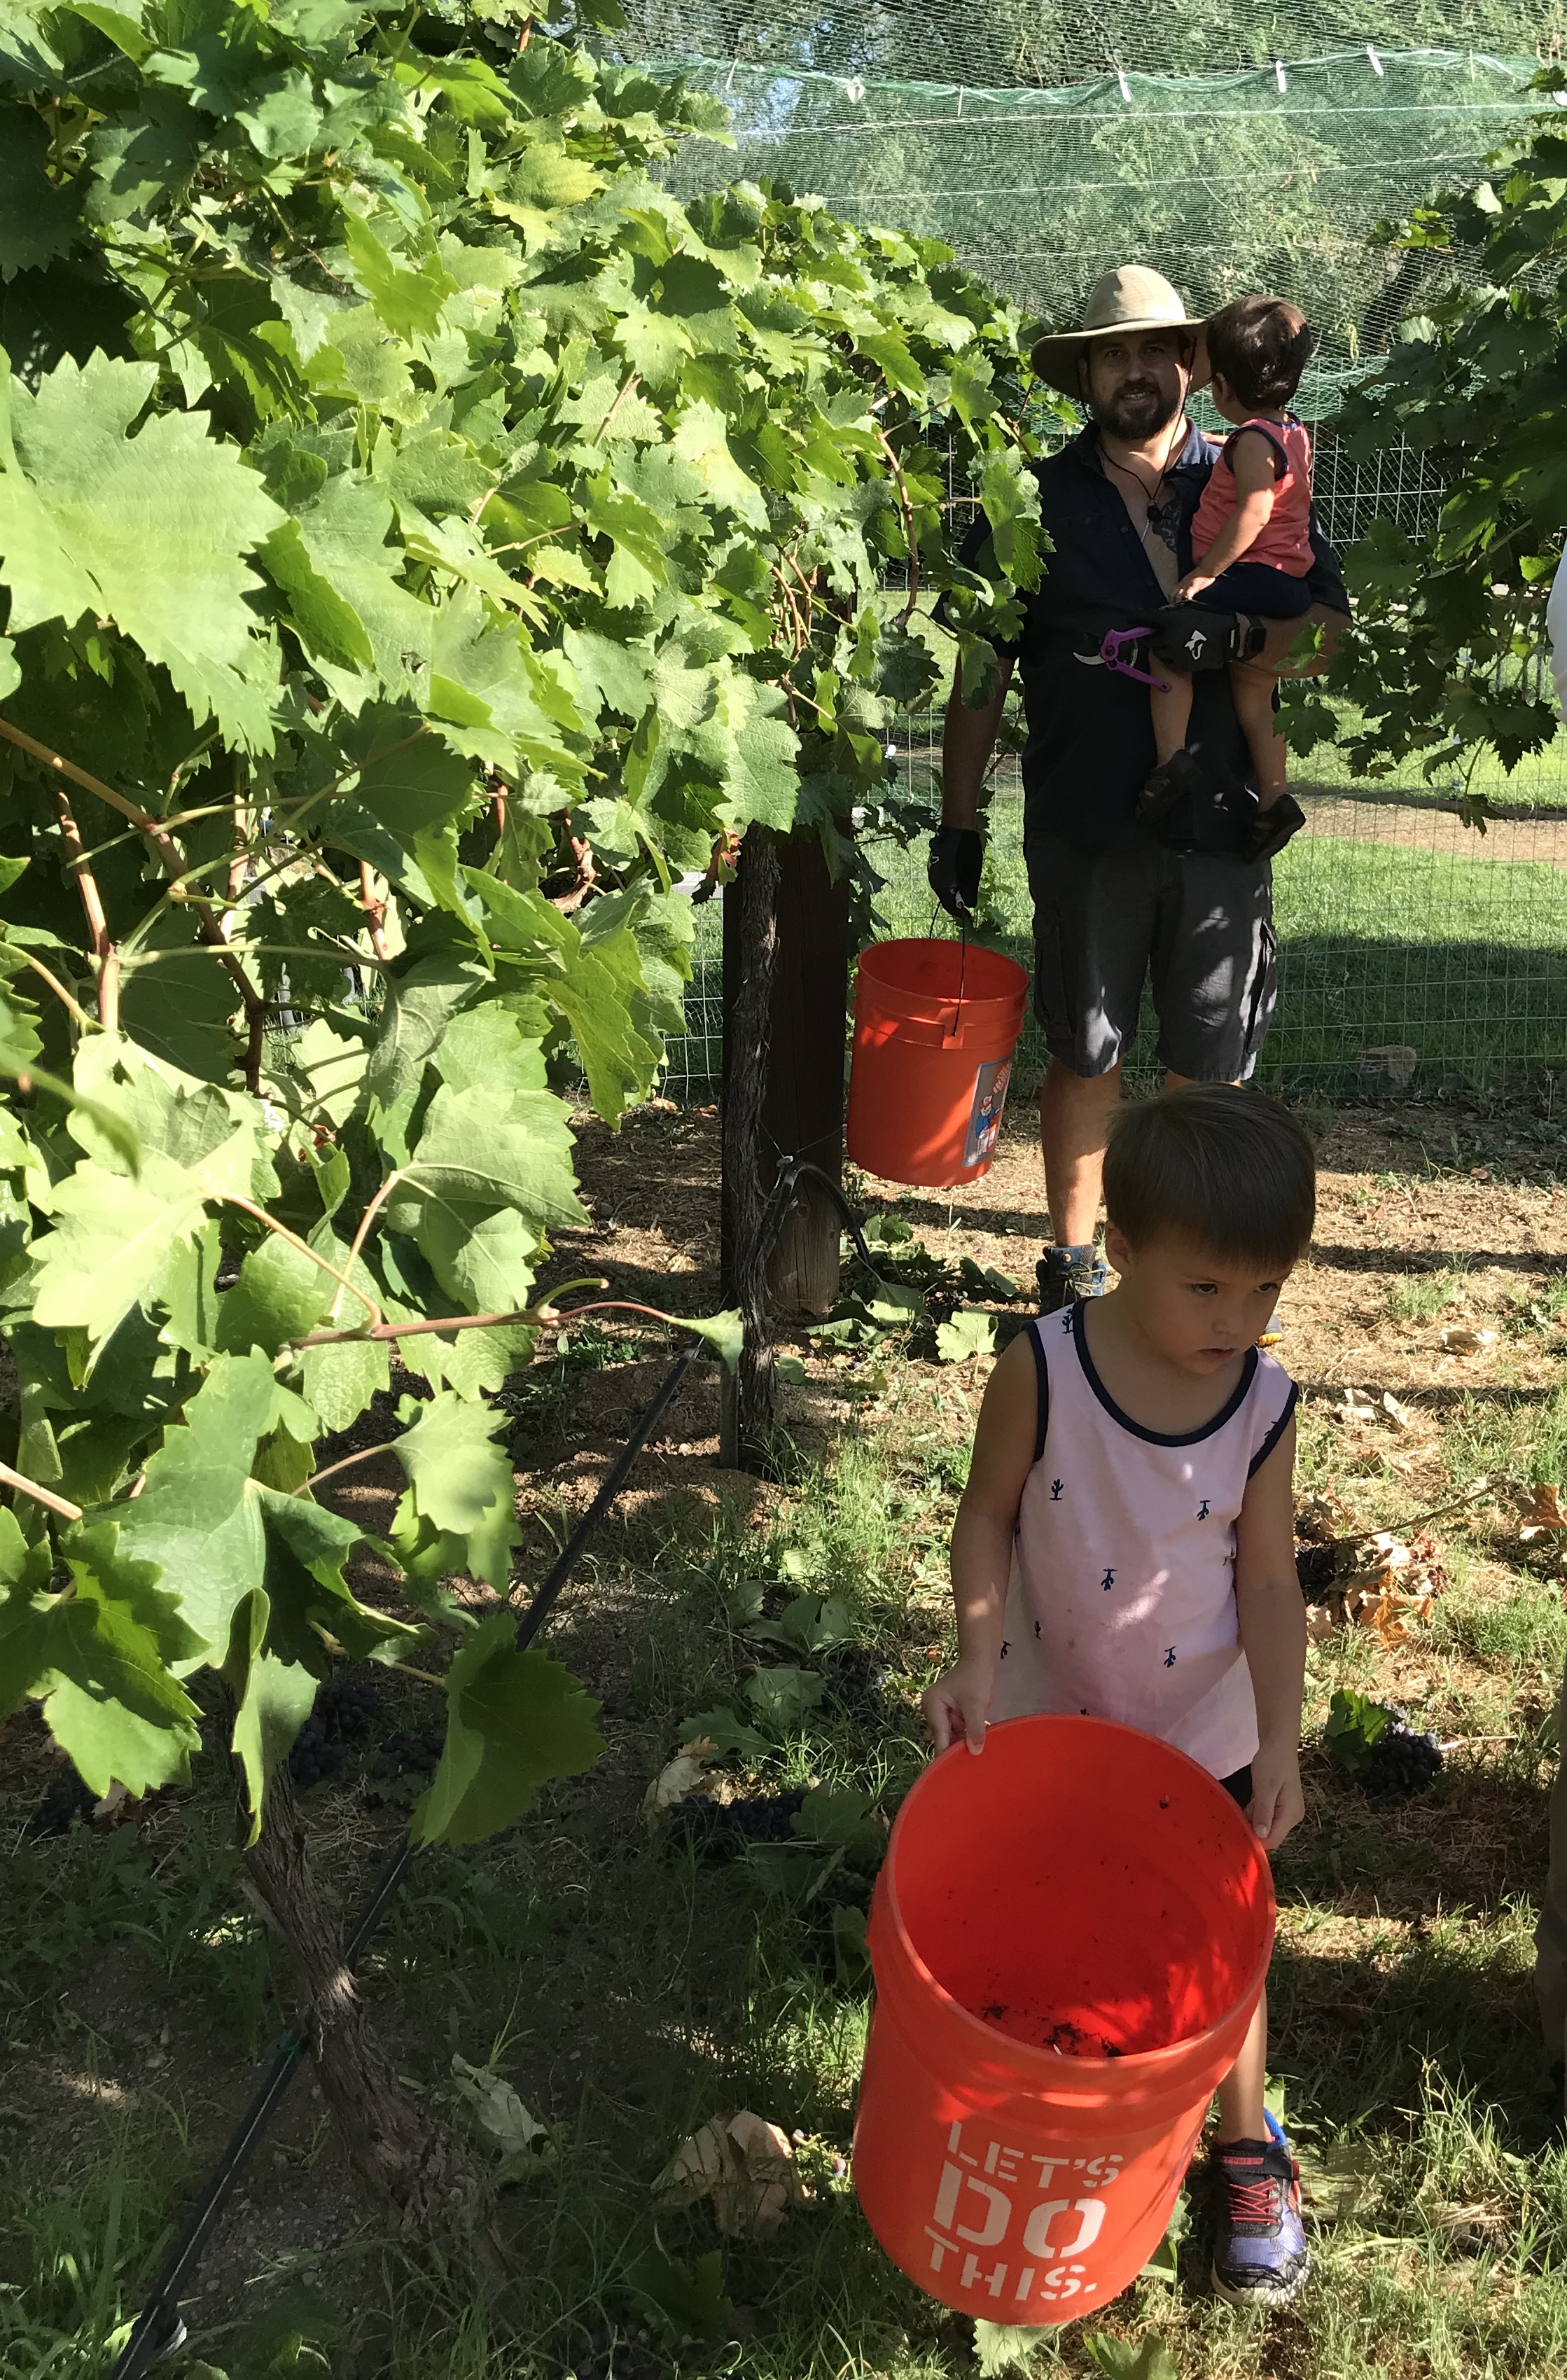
<point>629,1988</point>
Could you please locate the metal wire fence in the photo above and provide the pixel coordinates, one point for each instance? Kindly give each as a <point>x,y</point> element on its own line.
<point>1399,930</point>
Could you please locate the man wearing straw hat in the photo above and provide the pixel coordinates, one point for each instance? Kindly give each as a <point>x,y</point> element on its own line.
<point>1188,903</point>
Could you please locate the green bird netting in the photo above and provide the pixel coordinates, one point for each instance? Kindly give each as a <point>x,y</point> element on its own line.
<point>1234,150</point>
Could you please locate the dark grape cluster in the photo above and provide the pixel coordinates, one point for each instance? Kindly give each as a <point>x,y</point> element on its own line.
<point>1401,1762</point>
<point>403,1753</point>
<point>1317,1567</point>
<point>340,1718</point>
<point>853,1674</point>
<point>66,1801</point>
<point>722,1829</point>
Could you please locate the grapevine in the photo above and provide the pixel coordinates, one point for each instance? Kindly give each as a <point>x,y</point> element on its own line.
<point>421,538</point>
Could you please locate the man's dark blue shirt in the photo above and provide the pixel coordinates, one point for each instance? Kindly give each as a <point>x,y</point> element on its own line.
<point>1090,731</point>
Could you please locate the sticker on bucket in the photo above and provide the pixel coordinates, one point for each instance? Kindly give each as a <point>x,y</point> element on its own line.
<point>985,1116</point>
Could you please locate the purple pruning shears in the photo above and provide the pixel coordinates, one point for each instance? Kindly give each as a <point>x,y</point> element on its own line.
<point>1111,654</point>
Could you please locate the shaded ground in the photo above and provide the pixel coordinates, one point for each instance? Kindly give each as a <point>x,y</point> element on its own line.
<point>627,1991</point>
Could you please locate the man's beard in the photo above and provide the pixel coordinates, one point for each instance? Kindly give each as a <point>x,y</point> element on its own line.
<point>1139,409</point>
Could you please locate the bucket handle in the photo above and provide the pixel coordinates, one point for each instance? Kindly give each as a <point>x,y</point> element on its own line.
<point>952,1037</point>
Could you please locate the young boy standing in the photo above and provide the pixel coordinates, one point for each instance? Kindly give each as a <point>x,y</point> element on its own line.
<point>1125,1544</point>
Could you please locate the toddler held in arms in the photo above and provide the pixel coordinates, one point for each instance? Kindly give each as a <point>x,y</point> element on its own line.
<point>1125,1544</point>
<point>1251,534</point>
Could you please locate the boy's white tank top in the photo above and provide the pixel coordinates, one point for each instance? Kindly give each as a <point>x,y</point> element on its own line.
<point>1121,1603</point>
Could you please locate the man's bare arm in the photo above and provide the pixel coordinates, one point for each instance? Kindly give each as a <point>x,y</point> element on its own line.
<point>968,738</point>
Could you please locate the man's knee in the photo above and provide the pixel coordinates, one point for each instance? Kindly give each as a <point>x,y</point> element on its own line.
<point>1061,1081</point>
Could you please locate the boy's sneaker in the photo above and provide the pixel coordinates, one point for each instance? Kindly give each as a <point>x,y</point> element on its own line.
<point>1259,2257</point>
<point>1065,1274</point>
<point>1271,1336</point>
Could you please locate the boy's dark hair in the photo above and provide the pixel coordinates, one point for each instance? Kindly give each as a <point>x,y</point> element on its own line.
<point>1261,346</point>
<point>1225,1169</point>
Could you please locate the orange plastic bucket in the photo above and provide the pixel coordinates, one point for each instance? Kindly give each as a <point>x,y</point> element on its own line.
<point>935,1024</point>
<point>1069,1936</point>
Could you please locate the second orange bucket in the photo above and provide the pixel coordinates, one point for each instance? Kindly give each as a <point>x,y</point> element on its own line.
<point>1069,1936</point>
<point>936,1027</point>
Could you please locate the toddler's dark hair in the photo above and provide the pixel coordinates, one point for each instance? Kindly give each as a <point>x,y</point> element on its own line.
<point>1225,1169</point>
<point>1261,346</point>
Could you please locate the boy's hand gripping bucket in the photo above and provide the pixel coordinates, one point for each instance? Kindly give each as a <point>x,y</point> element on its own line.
<point>935,1024</point>
<point>1069,1934</point>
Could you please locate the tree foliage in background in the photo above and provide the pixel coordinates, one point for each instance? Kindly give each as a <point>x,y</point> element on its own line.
<point>1447,656</point>
<point>422,539</point>
<point>1015,42</point>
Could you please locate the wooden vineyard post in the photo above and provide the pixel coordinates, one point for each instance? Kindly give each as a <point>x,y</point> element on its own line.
<point>750,947</point>
<point>802,1106</point>
<point>786,986</point>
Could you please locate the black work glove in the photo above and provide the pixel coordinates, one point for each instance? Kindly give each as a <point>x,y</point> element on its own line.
<point>1186,637</point>
<point>957,853</point>
<point>1271,829</point>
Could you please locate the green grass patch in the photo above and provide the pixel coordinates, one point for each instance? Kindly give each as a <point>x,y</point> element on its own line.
<point>629,1989</point>
<point>1460,957</point>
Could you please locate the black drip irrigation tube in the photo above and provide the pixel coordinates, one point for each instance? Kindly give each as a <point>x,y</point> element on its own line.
<point>159,2330</point>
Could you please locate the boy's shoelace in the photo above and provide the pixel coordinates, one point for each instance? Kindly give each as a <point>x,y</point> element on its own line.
<point>1254,2202</point>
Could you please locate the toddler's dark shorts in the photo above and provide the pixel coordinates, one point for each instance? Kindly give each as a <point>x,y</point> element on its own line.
<point>1257,586</point>
<point>1238,1787</point>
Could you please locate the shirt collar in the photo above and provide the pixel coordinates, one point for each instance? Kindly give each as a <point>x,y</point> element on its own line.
<point>1196,451</point>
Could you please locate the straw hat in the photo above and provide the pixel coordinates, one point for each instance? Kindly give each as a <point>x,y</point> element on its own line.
<point>1132,298</point>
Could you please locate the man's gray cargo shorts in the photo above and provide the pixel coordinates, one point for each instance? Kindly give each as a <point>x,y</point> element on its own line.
<point>1197,927</point>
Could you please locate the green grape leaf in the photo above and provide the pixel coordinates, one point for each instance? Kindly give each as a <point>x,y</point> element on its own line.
<point>726,1732</point>
<point>198,1516</point>
<point>112,1243</point>
<point>38,217</point>
<point>327,624</point>
<point>691,2298</point>
<point>408,301</point>
<point>112,1703</point>
<point>273,1699</point>
<point>1122,2359</point>
<point>475,1152</point>
<point>149,527</point>
<point>483,1262</point>
<point>764,787</point>
<point>1004,2345</point>
<point>810,1624</point>
<point>782,1697</point>
<point>460,1482</point>
<point>306,1551</point>
<point>279,1295</point>
<point>514,1720</point>
<point>851,1955</point>
<point>341,1380</point>
<point>970,1332</point>
<point>420,1006</point>
<point>723,1332</point>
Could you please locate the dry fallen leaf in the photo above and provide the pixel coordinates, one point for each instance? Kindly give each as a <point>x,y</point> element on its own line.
<point>1320,1621</point>
<point>745,2164</point>
<point>524,2142</point>
<point>1400,1415</point>
<point>1354,1407</point>
<point>1321,1519</point>
<point>1460,1341</point>
<point>677,1778</point>
<point>1544,1512</point>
